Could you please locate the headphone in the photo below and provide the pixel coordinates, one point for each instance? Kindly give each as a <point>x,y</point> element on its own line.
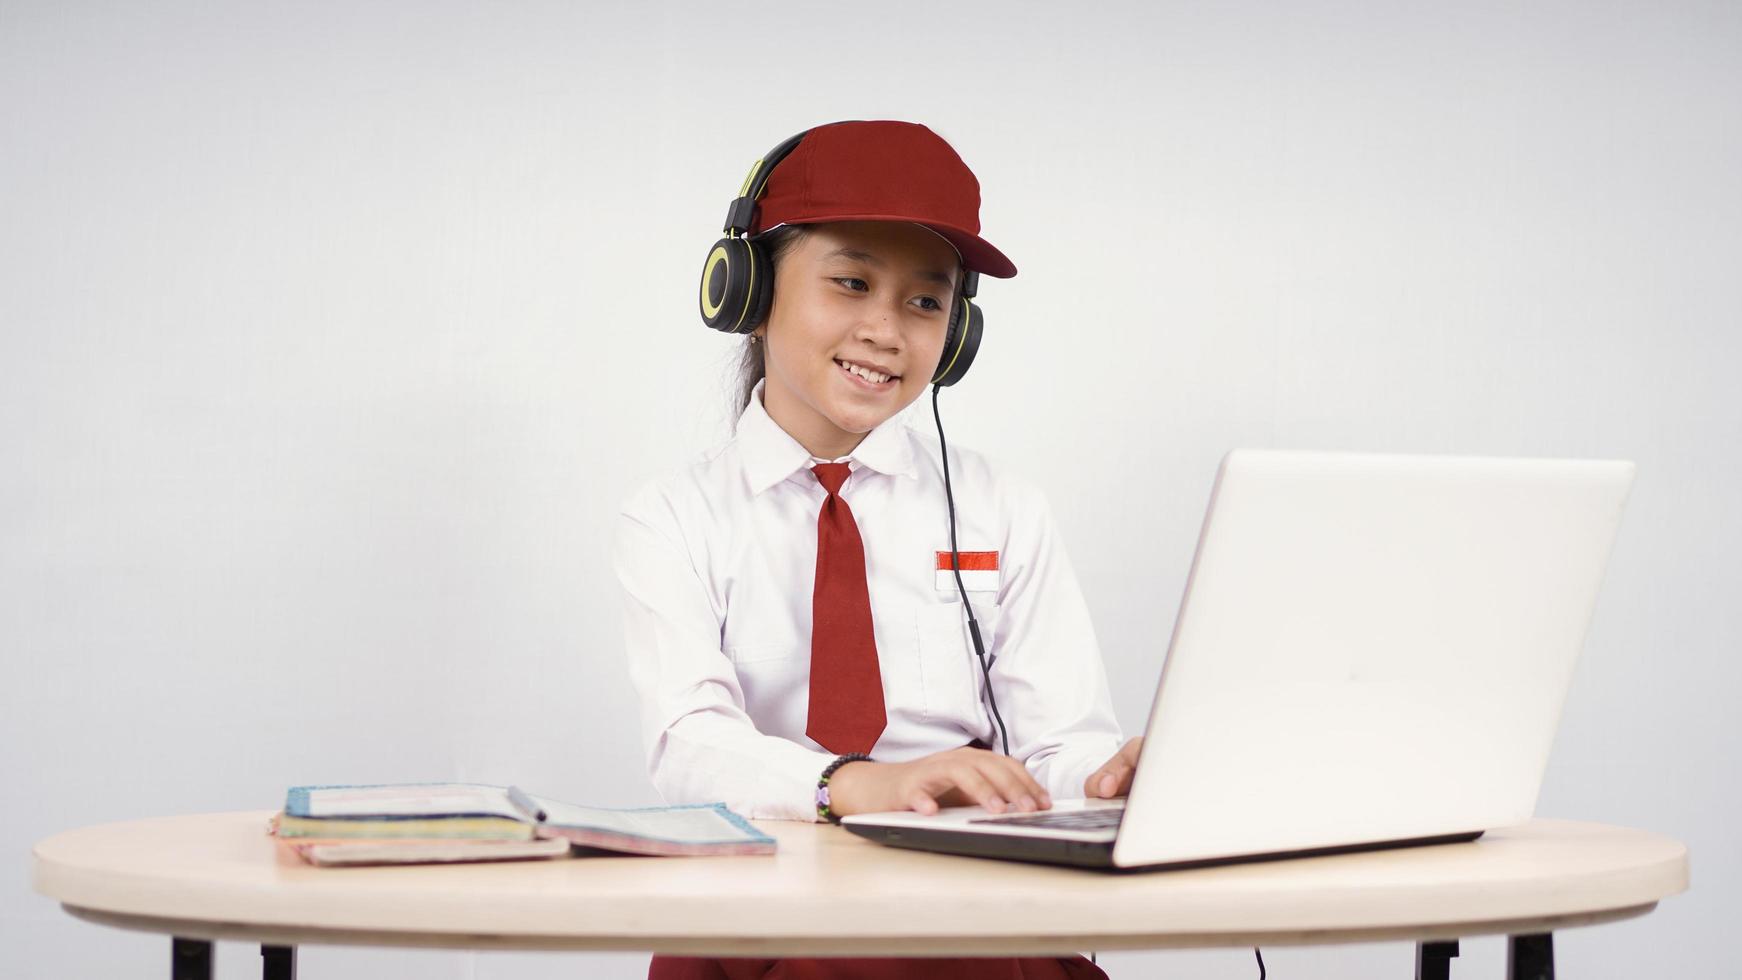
<point>738,277</point>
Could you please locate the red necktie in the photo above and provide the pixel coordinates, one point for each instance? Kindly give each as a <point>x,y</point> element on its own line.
<point>846,706</point>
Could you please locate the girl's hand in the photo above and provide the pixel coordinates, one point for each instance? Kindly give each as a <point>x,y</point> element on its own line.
<point>1114,778</point>
<point>958,777</point>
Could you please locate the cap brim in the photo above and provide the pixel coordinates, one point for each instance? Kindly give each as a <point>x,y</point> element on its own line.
<point>977,253</point>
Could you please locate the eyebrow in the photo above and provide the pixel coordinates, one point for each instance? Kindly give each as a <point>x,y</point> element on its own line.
<point>931,275</point>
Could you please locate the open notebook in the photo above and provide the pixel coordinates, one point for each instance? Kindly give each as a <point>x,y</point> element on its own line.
<point>445,822</point>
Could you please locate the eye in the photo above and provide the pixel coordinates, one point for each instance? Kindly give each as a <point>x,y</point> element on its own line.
<point>935,305</point>
<point>857,285</point>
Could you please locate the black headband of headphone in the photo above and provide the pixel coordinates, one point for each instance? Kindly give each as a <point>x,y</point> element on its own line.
<point>737,277</point>
<point>741,213</point>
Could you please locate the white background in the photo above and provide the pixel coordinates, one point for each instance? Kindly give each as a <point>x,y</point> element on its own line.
<point>331,336</point>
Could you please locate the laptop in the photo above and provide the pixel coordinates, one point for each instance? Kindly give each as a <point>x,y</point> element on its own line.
<point>1372,651</point>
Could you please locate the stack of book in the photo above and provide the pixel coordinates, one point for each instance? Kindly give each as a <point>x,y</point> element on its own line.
<point>423,823</point>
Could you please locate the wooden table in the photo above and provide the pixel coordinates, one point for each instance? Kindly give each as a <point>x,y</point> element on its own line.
<point>219,876</point>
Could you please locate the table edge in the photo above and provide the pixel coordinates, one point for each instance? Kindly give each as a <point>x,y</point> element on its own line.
<point>1618,892</point>
<point>268,934</point>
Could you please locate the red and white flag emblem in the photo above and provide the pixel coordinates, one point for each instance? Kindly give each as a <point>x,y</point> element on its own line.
<point>979,571</point>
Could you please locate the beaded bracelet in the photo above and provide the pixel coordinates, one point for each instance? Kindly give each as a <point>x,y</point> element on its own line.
<point>823,810</point>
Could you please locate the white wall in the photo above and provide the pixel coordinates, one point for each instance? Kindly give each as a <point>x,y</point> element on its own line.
<point>331,335</point>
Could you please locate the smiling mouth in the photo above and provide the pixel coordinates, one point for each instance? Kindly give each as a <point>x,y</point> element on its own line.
<point>874,377</point>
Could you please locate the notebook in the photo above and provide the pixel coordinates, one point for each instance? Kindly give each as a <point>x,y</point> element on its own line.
<point>1372,651</point>
<point>419,822</point>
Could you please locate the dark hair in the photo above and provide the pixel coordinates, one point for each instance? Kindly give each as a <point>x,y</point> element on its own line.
<point>752,367</point>
<point>752,363</point>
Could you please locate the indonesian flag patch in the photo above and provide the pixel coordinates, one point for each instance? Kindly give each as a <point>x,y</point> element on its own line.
<point>979,571</point>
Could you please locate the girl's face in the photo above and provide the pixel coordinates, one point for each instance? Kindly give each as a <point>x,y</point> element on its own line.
<point>854,298</point>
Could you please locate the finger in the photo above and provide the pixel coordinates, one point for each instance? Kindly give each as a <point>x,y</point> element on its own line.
<point>979,789</point>
<point>940,782</point>
<point>939,787</point>
<point>1110,780</point>
<point>1117,781</point>
<point>1032,786</point>
<point>1013,782</point>
<point>1002,768</point>
<point>953,797</point>
<point>984,758</point>
<point>1096,784</point>
<point>921,802</point>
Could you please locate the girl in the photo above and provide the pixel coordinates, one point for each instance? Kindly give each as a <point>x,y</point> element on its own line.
<point>803,639</point>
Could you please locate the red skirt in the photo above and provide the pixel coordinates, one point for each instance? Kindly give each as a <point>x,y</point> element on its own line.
<point>875,968</point>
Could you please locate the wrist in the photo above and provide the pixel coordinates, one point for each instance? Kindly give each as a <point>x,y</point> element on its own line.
<point>849,789</point>
<point>832,802</point>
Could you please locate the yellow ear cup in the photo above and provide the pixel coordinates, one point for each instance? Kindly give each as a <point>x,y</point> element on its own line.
<point>734,294</point>
<point>714,277</point>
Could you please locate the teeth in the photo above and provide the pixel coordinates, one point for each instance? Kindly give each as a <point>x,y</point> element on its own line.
<point>866,373</point>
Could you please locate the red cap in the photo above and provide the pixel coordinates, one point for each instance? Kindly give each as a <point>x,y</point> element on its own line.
<point>881,171</point>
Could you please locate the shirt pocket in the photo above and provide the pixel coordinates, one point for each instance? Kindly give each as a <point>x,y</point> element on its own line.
<point>949,671</point>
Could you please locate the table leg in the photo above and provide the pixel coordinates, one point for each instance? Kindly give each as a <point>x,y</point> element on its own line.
<point>278,962</point>
<point>190,959</point>
<point>1530,957</point>
<point>1433,961</point>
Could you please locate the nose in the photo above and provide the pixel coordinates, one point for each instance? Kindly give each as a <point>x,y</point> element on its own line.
<point>881,326</point>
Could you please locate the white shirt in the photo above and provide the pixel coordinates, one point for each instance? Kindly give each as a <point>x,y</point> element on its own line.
<point>718,563</point>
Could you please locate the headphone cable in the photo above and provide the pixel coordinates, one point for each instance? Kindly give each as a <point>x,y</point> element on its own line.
<point>956,567</point>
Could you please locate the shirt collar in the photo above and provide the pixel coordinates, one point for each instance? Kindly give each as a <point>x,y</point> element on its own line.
<point>771,455</point>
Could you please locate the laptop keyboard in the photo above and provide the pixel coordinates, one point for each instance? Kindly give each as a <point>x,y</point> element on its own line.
<point>1102,818</point>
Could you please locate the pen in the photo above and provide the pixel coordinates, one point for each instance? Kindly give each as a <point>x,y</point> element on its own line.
<point>524,804</point>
